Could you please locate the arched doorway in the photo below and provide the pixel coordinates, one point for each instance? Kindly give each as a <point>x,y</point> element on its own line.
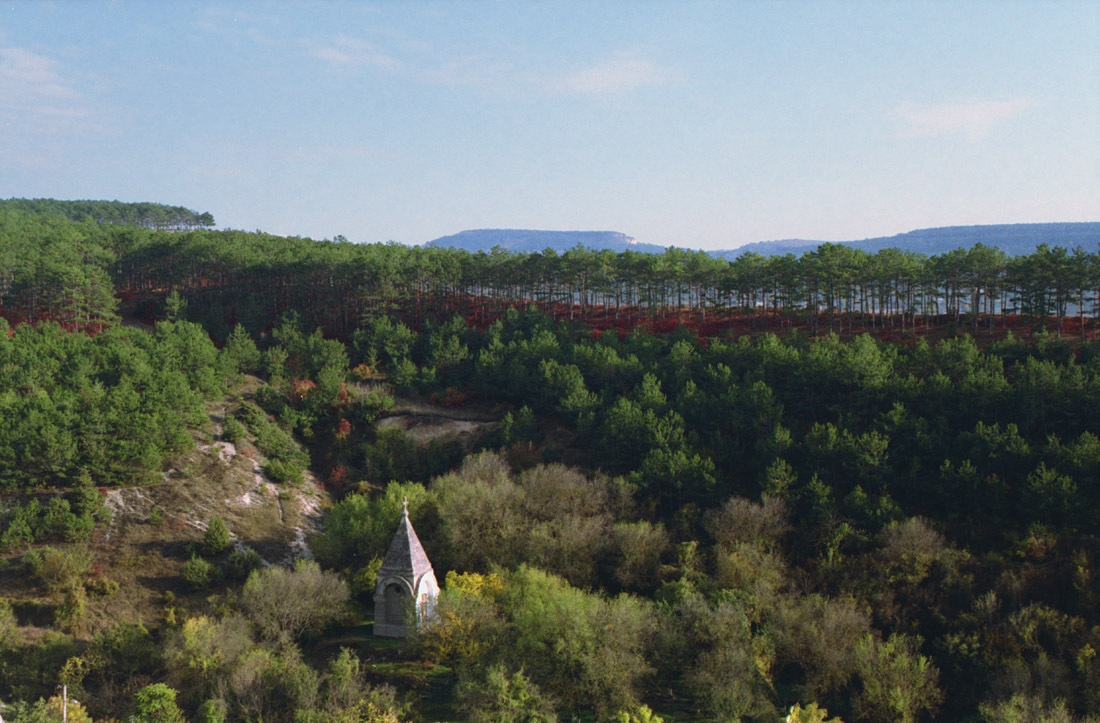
<point>394,604</point>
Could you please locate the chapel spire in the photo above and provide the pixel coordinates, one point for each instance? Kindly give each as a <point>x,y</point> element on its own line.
<point>406,589</point>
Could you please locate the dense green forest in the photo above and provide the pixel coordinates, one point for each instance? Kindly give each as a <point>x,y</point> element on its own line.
<point>64,271</point>
<point>148,215</point>
<point>861,483</point>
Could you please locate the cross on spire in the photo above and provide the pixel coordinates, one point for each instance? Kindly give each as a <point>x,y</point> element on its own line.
<point>405,507</point>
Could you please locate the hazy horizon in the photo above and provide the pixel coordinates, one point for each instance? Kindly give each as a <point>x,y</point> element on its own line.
<point>703,125</point>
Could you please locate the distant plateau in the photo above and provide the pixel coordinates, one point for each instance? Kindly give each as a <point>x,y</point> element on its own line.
<point>1013,239</point>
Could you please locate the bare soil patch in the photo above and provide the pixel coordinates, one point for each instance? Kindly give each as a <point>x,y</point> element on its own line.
<point>425,428</point>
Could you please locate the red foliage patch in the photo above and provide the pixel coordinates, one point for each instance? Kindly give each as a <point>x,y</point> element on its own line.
<point>343,429</point>
<point>300,389</point>
<point>337,478</point>
<point>454,398</point>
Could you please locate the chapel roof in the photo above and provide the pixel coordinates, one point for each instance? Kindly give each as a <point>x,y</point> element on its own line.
<point>406,555</point>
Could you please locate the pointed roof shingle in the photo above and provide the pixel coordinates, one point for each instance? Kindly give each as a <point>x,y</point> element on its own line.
<point>406,555</point>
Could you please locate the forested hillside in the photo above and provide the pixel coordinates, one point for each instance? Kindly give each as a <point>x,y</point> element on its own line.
<point>147,215</point>
<point>866,483</point>
<point>50,269</point>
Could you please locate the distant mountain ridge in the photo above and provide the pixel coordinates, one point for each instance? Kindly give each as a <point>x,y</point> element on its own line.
<point>1013,239</point>
<point>525,240</point>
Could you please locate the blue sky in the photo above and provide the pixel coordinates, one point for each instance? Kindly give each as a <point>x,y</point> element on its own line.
<point>699,124</point>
